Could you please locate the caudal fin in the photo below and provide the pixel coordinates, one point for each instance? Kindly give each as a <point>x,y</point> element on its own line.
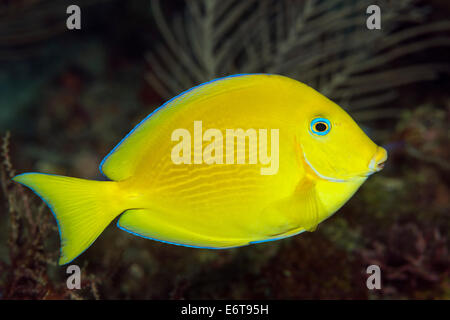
<point>82,208</point>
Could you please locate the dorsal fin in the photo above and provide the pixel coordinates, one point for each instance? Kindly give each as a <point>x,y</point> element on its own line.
<point>120,163</point>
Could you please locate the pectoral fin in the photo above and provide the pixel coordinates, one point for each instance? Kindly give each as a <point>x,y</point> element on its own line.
<point>306,204</point>
<point>301,211</point>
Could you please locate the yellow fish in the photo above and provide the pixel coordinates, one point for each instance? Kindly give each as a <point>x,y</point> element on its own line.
<point>234,161</point>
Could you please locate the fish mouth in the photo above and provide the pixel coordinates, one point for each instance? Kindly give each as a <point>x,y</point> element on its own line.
<point>378,160</point>
<point>376,164</point>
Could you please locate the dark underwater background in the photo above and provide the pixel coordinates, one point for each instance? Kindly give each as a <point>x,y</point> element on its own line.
<point>67,97</point>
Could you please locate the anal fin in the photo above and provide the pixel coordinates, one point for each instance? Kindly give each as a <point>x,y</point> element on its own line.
<point>149,224</point>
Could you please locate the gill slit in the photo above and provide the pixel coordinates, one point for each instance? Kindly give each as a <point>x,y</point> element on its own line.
<point>317,172</point>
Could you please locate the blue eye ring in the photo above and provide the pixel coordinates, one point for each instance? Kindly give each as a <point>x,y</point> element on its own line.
<point>320,126</point>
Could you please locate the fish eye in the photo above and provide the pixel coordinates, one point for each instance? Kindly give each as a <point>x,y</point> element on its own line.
<point>320,126</point>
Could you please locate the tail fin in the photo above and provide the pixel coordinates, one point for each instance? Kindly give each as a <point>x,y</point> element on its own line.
<point>82,208</point>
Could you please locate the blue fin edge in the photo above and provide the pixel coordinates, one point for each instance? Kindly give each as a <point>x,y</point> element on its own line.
<point>275,239</point>
<point>53,213</point>
<point>162,106</point>
<point>199,247</point>
<point>174,243</point>
<point>47,203</point>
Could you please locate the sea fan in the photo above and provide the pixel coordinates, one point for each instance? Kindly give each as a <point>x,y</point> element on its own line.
<point>325,44</point>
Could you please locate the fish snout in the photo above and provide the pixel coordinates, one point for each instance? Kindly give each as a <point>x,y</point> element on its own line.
<point>378,160</point>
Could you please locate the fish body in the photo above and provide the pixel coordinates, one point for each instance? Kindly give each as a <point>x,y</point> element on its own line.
<point>238,160</point>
